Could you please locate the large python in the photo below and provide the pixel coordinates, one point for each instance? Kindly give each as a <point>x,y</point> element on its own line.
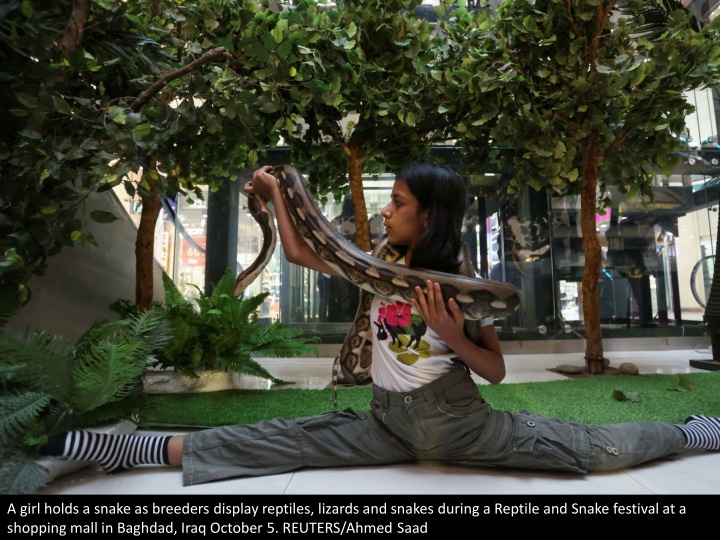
<point>378,273</point>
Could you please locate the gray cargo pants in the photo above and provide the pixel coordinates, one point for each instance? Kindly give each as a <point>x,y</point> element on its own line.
<point>446,420</point>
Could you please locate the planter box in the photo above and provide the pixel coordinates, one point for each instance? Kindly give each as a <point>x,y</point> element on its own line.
<point>171,382</point>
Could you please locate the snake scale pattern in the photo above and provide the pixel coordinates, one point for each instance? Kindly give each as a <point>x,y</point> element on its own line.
<point>378,273</point>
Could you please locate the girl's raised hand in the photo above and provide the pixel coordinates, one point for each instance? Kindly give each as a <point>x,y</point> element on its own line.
<point>263,183</point>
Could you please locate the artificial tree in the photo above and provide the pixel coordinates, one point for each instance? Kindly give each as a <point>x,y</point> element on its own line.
<point>98,94</point>
<point>583,99</point>
<point>362,92</point>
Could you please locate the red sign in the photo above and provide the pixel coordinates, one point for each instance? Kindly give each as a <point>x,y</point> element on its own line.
<point>191,255</point>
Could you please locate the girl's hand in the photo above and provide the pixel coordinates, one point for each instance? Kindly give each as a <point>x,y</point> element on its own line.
<point>431,306</point>
<point>263,183</point>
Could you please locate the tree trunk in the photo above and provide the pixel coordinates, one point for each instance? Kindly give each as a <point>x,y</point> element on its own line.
<point>594,359</point>
<point>362,226</point>
<point>75,28</point>
<point>145,249</point>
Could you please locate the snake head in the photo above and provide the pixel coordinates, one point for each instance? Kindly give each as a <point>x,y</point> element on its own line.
<point>285,172</point>
<point>278,170</point>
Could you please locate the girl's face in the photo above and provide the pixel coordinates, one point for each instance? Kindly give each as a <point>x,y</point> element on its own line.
<point>405,223</point>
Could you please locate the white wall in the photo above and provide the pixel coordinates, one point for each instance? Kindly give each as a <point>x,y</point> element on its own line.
<point>81,282</point>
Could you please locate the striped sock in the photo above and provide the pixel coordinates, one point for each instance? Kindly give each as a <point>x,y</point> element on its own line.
<point>702,432</point>
<point>114,453</point>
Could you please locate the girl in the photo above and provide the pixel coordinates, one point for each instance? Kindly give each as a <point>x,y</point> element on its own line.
<point>424,406</point>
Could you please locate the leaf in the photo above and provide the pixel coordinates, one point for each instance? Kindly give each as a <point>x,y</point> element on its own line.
<point>173,297</point>
<point>101,216</point>
<point>20,475</point>
<point>75,153</point>
<point>632,397</point>
<point>284,48</point>
<point>603,69</point>
<point>351,30</point>
<point>684,384</point>
<point>270,107</point>
<point>29,101</point>
<point>108,372</point>
<point>30,134</point>
<point>61,106</point>
<point>278,32</point>
<point>18,412</point>
<point>143,130</point>
<point>27,8</point>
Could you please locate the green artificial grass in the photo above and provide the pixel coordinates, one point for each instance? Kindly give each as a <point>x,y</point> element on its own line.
<point>590,400</point>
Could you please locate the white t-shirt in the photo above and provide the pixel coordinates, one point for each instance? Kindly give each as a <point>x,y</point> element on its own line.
<point>406,353</point>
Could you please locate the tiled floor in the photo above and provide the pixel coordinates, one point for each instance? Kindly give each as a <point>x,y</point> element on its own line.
<point>693,473</point>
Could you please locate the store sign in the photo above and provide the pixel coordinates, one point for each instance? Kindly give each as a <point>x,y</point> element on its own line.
<point>192,256</point>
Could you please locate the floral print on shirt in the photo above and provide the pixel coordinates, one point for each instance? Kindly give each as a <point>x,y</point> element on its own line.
<point>405,330</point>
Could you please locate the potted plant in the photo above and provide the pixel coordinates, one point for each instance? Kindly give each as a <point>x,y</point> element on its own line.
<point>219,334</point>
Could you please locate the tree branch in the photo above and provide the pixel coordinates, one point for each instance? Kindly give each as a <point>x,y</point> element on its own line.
<point>176,74</point>
<point>75,27</point>
<point>627,131</point>
<point>574,27</point>
<point>601,15</point>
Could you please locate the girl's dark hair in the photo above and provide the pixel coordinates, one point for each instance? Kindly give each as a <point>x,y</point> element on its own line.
<point>439,190</point>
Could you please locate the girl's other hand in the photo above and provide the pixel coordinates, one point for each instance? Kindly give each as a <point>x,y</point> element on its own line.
<point>263,183</point>
<point>431,307</point>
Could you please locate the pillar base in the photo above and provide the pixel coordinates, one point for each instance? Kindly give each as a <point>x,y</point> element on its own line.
<point>714,364</point>
<point>711,365</point>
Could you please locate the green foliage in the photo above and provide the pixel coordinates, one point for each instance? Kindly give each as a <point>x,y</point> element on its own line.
<point>48,387</point>
<point>54,143</point>
<point>19,411</point>
<point>223,332</point>
<point>548,75</point>
<point>19,475</point>
<point>360,88</point>
<point>74,121</point>
<point>365,82</point>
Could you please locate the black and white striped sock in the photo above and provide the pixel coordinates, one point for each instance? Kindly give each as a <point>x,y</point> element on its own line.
<point>702,432</point>
<point>114,453</point>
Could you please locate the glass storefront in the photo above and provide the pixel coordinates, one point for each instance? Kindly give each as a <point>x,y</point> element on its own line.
<point>657,260</point>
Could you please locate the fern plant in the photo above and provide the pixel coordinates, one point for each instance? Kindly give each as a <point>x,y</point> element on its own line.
<point>48,387</point>
<point>223,332</point>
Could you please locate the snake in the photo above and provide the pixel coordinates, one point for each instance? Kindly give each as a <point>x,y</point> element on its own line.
<point>377,273</point>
